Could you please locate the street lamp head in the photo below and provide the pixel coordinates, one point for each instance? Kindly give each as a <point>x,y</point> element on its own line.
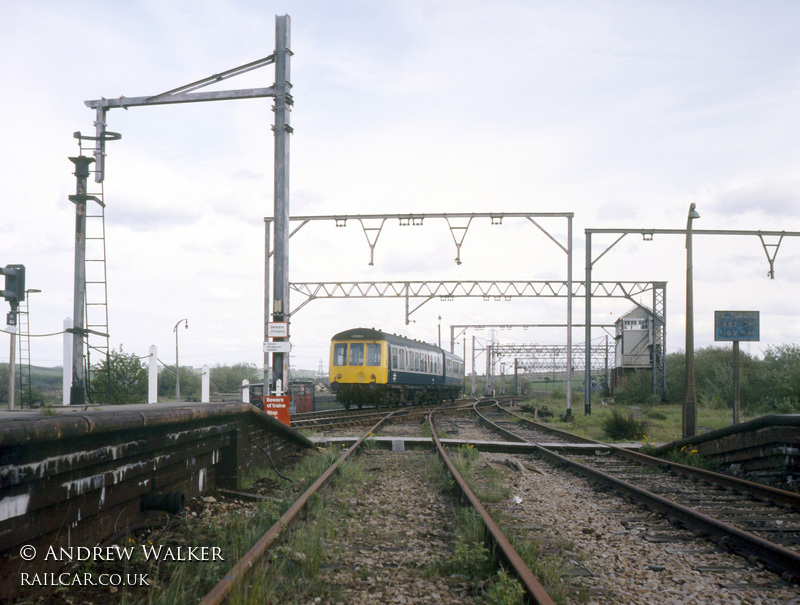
<point>692,212</point>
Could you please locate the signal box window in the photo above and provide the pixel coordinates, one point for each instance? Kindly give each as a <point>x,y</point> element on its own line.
<point>357,354</point>
<point>340,354</point>
<point>373,354</point>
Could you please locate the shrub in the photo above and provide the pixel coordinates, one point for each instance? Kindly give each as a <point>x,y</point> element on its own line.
<point>637,390</point>
<point>619,427</point>
<point>504,590</point>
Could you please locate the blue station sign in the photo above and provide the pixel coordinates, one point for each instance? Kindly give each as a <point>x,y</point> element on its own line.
<point>736,325</point>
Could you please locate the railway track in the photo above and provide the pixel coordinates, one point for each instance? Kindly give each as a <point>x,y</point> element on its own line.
<point>758,522</point>
<point>392,538</point>
<point>341,418</point>
<point>387,537</point>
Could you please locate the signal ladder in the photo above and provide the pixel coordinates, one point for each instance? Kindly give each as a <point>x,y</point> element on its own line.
<point>23,330</point>
<point>96,285</point>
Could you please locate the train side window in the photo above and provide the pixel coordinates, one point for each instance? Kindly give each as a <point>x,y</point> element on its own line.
<point>373,354</point>
<point>394,357</point>
<point>357,354</point>
<point>340,354</point>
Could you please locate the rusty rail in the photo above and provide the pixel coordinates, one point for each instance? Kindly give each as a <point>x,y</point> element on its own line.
<point>774,556</point>
<point>775,494</point>
<point>533,588</point>
<point>218,594</point>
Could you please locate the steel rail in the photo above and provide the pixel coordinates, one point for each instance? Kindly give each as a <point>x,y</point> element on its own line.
<point>781,560</point>
<point>533,588</point>
<point>760,490</point>
<point>223,588</point>
<point>543,427</point>
<point>775,557</point>
<point>342,417</point>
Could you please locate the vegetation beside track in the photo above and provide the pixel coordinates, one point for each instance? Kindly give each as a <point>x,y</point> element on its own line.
<point>497,586</point>
<point>300,568</point>
<point>658,423</point>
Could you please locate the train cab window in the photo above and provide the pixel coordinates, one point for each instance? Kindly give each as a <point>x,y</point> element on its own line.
<point>357,354</point>
<point>340,354</point>
<point>373,354</point>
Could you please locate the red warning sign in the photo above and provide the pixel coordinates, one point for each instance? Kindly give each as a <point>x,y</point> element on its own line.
<point>278,408</point>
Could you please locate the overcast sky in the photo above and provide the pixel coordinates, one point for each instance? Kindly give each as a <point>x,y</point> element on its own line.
<point>623,113</point>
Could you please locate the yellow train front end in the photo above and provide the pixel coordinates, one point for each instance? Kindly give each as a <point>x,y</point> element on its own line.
<point>358,368</point>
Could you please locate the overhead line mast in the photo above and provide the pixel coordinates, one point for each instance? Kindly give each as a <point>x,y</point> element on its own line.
<point>280,90</point>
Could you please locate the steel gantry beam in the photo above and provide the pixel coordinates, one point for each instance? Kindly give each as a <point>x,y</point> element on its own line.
<point>536,358</point>
<point>497,290</point>
<point>458,224</point>
<point>770,242</point>
<point>457,330</point>
<point>553,358</point>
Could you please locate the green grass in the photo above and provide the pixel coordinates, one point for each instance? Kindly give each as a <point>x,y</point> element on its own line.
<point>663,421</point>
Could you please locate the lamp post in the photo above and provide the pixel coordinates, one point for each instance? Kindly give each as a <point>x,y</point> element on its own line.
<point>689,411</point>
<point>177,365</point>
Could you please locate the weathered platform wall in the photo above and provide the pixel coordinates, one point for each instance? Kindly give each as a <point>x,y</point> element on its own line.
<point>765,449</point>
<point>77,478</point>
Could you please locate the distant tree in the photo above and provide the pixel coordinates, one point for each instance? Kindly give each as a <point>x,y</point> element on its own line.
<point>637,389</point>
<point>190,384</point>
<point>779,382</point>
<point>676,376</point>
<point>120,379</point>
<point>228,379</point>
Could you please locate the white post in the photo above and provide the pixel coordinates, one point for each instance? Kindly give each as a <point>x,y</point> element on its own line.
<point>206,385</point>
<point>245,391</point>
<point>279,387</point>
<point>66,378</point>
<point>152,376</point>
